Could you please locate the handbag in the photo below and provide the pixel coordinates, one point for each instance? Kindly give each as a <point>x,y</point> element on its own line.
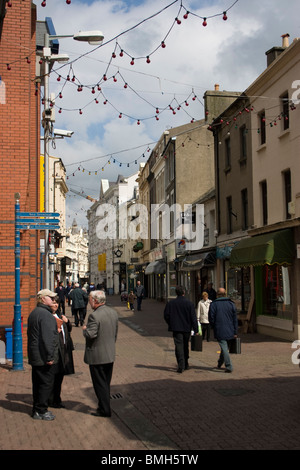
<point>235,346</point>
<point>196,343</point>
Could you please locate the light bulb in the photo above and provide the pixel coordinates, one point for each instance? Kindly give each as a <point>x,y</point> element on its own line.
<point>204,22</point>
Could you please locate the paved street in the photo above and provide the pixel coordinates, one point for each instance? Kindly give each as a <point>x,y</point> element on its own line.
<point>154,407</point>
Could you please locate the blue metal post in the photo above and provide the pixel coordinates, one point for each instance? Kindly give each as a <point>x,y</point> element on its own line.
<point>17,331</point>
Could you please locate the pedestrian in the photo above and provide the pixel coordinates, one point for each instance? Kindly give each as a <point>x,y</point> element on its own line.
<point>78,297</point>
<point>65,365</point>
<point>86,301</point>
<point>140,293</point>
<point>68,290</point>
<point>131,299</point>
<point>100,334</point>
<point>223,319</point>
<point>212,295</point>
<point>202,315</point>
<point>43,341</point>
<point>61,293</point>
<point>181,317</point>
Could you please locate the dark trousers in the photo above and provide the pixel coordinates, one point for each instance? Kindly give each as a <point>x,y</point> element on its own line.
<point>139,303</point>
<point>42,386</point>
<point>61,307</point>
<point>101,375</point>
<point>55,396</point>
<point>78,315</point>
<point>205,331</point>
<point>181,341</point>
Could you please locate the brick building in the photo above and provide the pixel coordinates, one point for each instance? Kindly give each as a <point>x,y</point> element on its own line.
<point>20,151</point>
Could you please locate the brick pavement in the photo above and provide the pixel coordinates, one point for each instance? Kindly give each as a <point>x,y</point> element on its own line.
<point>154,408</point>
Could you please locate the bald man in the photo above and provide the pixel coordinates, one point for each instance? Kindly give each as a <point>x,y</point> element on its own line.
<point>223,319</point>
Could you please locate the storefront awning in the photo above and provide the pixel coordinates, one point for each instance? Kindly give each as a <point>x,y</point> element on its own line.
<point>156,267</point>
<point>270,248</point>
<point>198,261</point>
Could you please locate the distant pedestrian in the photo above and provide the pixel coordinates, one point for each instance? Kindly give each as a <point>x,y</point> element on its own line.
<point>212,295</point>
<point>100,334</point>
<point>43,343</point>
<point>181,317</point>
<point>202,315</point>
<point>78,297</point>
<point>61,293</point>
<point>131,299</point>
<point>140,293</point>
<point>223,319</point>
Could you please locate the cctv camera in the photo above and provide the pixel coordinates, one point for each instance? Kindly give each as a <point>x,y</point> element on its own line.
<point>62,133</point>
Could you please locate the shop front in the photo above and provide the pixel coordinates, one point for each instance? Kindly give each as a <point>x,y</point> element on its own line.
<point>156,273</point>
<point>271,256</point>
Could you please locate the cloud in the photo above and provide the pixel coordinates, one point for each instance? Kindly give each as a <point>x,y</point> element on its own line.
<point>231,53</point>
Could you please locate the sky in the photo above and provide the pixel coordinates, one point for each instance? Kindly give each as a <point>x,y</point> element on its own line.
<point>116,128</point>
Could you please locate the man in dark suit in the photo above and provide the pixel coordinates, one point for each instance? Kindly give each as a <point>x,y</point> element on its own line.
<point>100,334</point>
<point>181,317</point>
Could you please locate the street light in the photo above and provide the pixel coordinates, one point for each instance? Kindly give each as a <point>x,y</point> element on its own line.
<point>93,38</point>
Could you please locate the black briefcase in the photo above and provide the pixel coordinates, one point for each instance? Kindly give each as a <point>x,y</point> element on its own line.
<point>196,343</point>
<point>235,346</point>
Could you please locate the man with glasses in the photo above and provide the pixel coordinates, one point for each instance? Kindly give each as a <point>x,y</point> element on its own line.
<point>43,341</point>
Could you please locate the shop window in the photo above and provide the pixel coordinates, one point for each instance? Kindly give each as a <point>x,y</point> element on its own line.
<point>239,288</point>
<point>276,292</point>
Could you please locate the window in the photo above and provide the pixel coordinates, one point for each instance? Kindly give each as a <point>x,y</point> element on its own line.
<point>262,127</point>
<point>227,154</point>
<point>264,202</point>
<point>287,192</point>
<point>285,111</point>
<point>229,214</point>
<point>243,142</point>
<point>244,209</point>
<point>276,292</point>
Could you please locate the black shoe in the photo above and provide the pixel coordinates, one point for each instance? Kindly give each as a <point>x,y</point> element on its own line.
<point>47,416</point>
<point>103,415</point>
<point>228,371</point>
<point>186,367</point>
<point>58,405</point>
<point>179,370</point>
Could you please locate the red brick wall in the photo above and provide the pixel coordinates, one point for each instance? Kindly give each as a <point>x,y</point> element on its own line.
<point>19,159</point>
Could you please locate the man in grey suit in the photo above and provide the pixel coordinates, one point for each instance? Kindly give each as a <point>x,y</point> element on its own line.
<point>100,334</point>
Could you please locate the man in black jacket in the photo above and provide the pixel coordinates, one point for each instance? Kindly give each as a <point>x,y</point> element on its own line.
<point>43,341</point>
<point>181,317</point>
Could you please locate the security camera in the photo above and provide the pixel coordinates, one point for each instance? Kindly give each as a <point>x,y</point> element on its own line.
<point>62,133</point>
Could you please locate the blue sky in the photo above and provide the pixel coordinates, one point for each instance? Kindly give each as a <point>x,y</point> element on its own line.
<point>231,53</point>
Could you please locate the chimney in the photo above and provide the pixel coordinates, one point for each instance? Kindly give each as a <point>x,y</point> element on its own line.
<point>217,87</point>
<point>285,40</point>
<point>273,53</point>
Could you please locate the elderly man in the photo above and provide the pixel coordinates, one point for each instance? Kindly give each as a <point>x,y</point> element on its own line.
<point>43,341</point>
<point>223,319</point>
<point>100,334</point>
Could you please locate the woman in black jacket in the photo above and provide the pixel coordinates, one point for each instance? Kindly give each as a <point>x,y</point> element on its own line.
<point>65,365</point>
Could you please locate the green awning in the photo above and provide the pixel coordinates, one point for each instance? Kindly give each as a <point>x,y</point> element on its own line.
<point>270,248</point>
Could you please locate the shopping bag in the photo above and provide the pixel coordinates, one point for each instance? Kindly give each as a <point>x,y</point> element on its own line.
<point>196,343</point>
<point>235,346</point>
<point>128,305</point>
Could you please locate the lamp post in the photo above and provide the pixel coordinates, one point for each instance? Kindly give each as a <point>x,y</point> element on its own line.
<point>93,38</point>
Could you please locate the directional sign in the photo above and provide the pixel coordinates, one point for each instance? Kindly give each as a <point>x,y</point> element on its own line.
<point>37,227</point>
<point>37,221</point>
<point>38,214</point>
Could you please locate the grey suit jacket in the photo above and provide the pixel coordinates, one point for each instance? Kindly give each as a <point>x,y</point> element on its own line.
<point>100,335</point>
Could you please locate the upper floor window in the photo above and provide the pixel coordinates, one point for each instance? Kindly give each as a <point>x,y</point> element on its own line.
<point>285,110</point>
<point>243,143</point>
<point>287,187</point>
<point>227,154</point>
<point>262,127</point>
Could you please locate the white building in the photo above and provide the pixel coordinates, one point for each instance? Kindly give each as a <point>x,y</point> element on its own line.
<point>77,264</point>
<point>110,247</point>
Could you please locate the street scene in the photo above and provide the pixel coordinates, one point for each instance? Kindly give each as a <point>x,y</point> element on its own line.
<point>156,409</point>
<point>149,227</point>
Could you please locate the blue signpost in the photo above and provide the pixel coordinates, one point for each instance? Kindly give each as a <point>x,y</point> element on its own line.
<point>25,221</point>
